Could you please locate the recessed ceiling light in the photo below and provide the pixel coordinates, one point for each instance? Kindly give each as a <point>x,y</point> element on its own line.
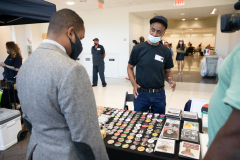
<point>183,19</point>
<point>214,11</point>
<point>70,3</point>
<point>182,32</point>
<point>182,14</point>
<point>196,18</point>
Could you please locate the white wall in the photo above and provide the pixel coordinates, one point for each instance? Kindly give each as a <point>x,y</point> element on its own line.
<point>36,35</point>
<point>136,28</point>
<point>234,40</point>
<point>44,27</point>
<point>21,38</point>
<point>5,32</point>
<point>111,26</point>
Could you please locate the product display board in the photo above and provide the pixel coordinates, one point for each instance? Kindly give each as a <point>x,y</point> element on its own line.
<point>171,129</point>
<point>190,135</point>
<point>189,150</point>
<point>191,125</point>
<point>190,116</point>
<point>135,135</point>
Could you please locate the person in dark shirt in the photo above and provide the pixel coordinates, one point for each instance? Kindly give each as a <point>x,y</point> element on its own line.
<point>11,66</point>
<point>134,43</point>
<point>154,63</point>
<point>141,39</point>
<point>98,54</point>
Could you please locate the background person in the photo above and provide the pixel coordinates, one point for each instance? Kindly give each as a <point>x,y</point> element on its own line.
<point>11,66</point>
<point>181,51</point>
<point>154,63</point>
<point>134,43</point>
<point>200,49</point>
<point>57,98</point>
<point>98,55</point>
<point>190,50</point>
<point>141,39</point>
<point>168,46</point>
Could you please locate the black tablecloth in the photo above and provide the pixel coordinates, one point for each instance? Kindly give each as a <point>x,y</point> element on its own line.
<point>118,153</point>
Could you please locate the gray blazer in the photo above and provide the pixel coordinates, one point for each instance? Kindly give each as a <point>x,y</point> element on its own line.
<point>57,99</point>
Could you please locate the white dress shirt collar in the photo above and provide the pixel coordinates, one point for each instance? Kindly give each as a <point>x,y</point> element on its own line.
<point>55,43</point>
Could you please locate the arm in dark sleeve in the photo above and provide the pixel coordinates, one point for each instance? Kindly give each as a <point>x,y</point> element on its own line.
<point>78,106</point>
<point>133,57</point>
<point>103,50</point>
<point>18,62</point>
<point>169,61</point>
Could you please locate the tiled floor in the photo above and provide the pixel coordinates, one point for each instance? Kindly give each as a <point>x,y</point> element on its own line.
<point>189,85</point>
<point>114,94</point>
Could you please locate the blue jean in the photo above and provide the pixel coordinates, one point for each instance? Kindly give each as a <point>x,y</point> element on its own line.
<point>157,101</point>
<point>98,69</point>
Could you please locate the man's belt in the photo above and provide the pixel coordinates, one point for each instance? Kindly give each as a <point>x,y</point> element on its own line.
<point>151,90</point>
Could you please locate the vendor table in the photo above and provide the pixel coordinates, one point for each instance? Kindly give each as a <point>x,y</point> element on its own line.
<point>119,153</point>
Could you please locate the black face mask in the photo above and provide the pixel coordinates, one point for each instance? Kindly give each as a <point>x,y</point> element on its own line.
<point>8,52</point>
<point>76,48</point>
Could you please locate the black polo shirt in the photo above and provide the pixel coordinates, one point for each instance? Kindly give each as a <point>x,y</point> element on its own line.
<point>150,61</point>
<point>16,62</point>
<point>97,55</point>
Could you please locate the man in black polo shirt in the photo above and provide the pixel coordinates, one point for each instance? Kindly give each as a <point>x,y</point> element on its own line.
<point>154,63</point>
<point>98,54</point>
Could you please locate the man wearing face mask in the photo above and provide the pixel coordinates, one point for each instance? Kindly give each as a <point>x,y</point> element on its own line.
<point>154,63</point>
<point>98,54</point>
<point>57,98</point>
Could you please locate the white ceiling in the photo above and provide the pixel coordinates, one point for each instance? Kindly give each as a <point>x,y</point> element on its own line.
<point>190,13</point>
<point>93,4</point>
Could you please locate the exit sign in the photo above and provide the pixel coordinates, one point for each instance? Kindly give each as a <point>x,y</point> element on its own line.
<point>179,3</point>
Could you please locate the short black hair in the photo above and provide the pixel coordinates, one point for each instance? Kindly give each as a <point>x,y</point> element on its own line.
<point>64,19</point>
<point>134,41</point>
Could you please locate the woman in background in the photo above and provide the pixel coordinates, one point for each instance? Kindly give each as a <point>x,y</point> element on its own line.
<point>181,51</point>
<point>134,43</point>
<point>11,66</point>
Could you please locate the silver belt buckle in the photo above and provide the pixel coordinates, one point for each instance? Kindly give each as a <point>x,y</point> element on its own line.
<point>153,90</point>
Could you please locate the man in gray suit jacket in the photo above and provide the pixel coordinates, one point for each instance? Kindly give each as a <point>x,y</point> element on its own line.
<point>57,98</point>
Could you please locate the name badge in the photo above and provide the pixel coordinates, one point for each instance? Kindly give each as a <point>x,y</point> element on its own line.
<point>98,49</point>
<point>159,58</point>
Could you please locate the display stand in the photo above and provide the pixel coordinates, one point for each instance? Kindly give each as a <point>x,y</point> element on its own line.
<point>119,153</point>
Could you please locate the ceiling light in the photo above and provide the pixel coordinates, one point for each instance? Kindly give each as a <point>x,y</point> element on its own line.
<point>196,18</point>
<point>70,3</point>
<point>183,19</point>
<point>214,11</point>
<point>182,14</point>
<point>182,32</point>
